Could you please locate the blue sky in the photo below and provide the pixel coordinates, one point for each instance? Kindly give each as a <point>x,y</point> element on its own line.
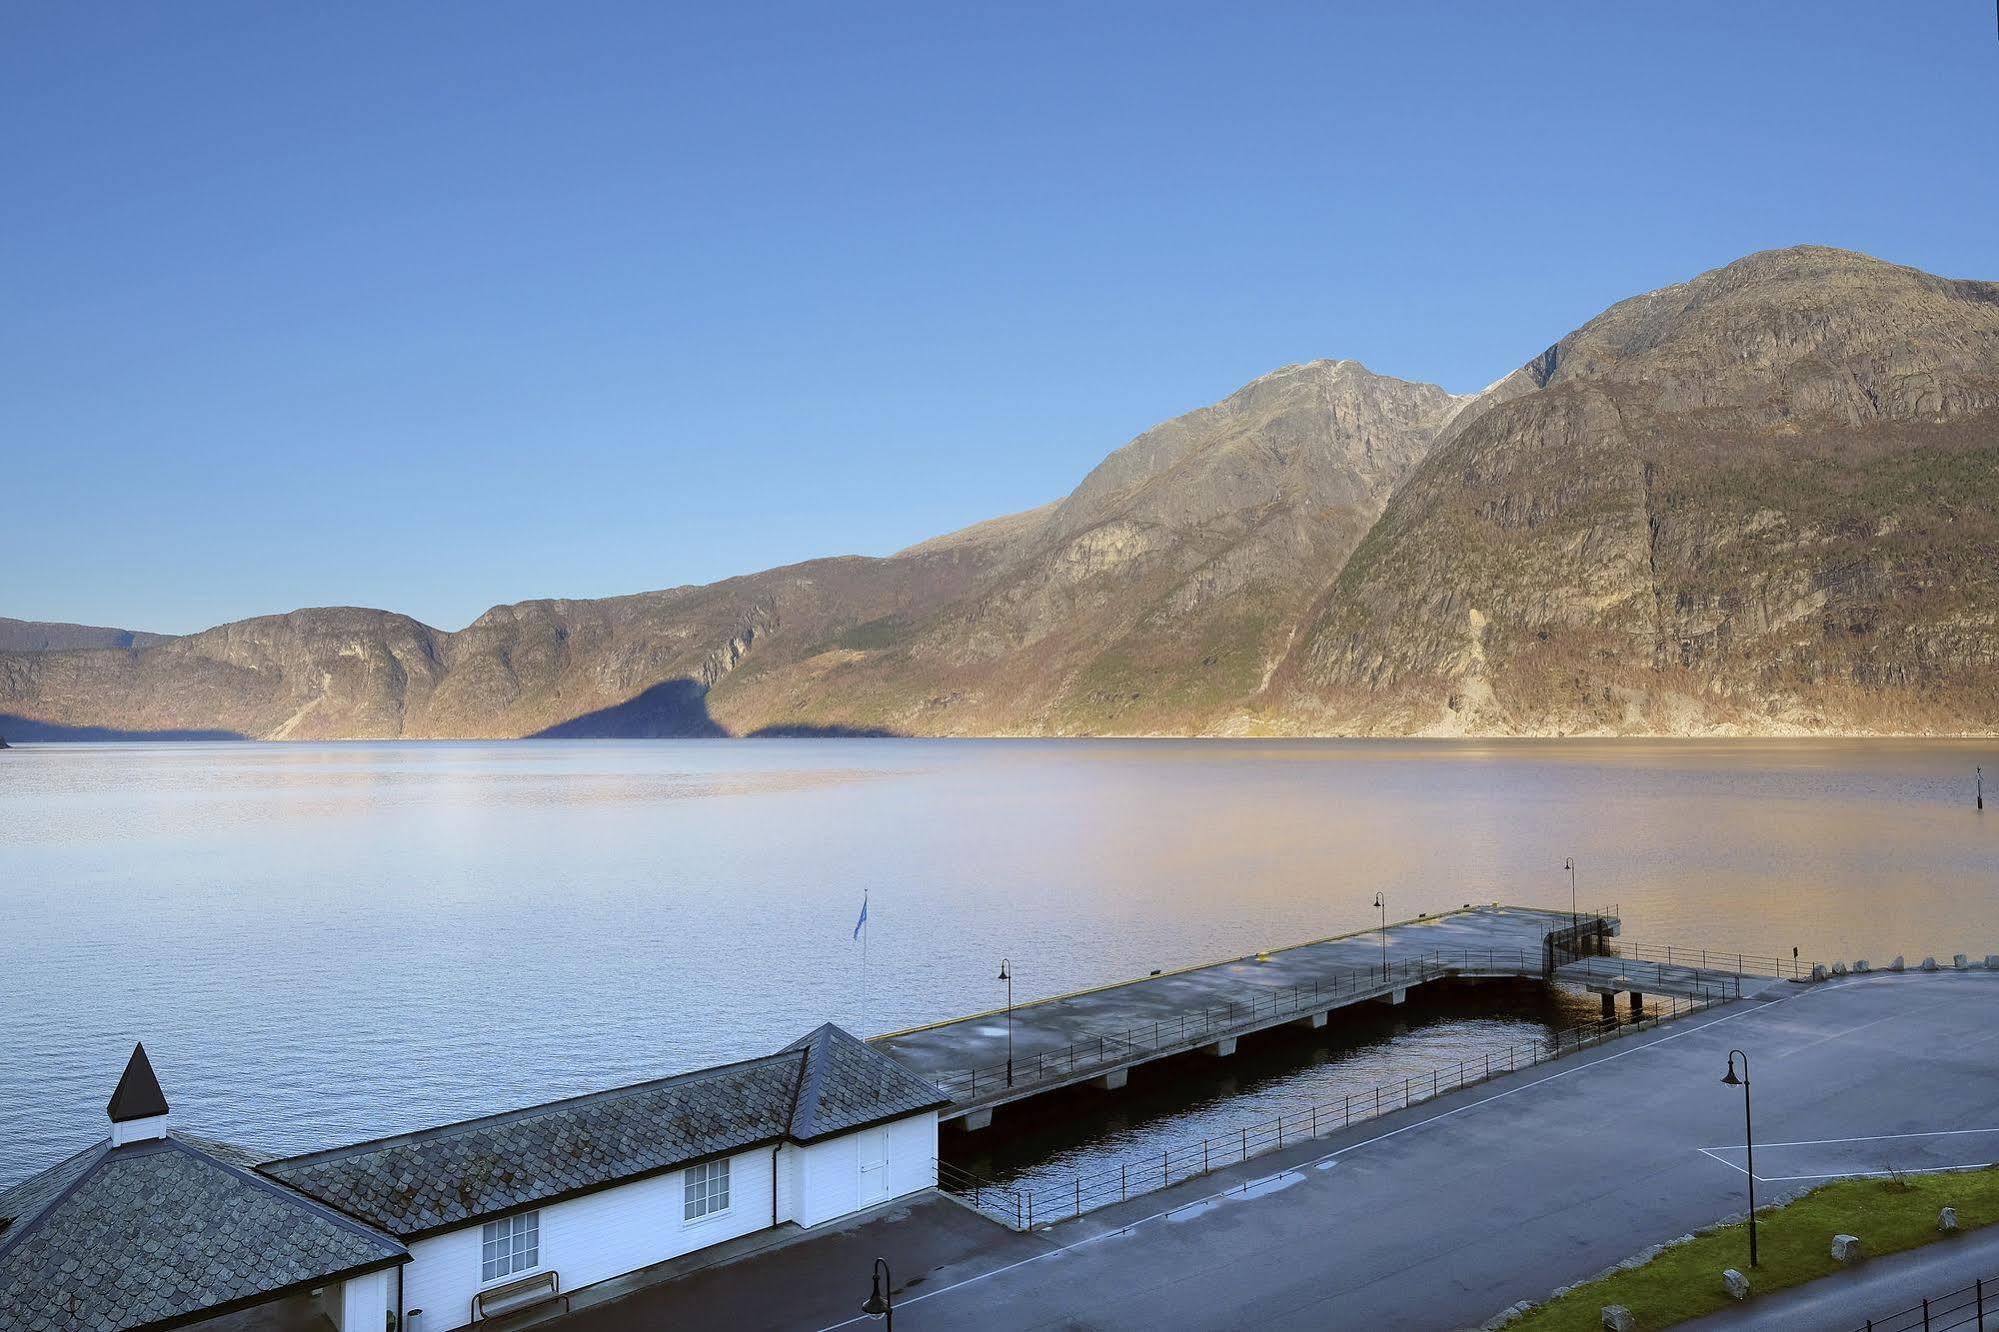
<point>437,306</point>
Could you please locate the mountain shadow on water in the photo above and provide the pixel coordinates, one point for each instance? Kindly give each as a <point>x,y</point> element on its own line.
<point>18,728</point>
<point>670,710</point>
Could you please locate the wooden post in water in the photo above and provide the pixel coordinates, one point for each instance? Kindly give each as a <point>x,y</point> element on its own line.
<point>1981,787</point>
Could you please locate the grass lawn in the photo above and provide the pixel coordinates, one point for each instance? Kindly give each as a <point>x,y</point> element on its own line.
<point>1792,1241</point>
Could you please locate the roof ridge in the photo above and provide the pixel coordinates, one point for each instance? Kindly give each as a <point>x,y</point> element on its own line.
<point>21,1226</point>
<point>509,1116</point>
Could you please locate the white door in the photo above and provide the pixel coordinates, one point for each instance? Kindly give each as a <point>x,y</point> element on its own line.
<point>874,1166</point>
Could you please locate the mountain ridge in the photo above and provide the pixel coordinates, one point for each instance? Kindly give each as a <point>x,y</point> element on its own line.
<point>1759,501</point>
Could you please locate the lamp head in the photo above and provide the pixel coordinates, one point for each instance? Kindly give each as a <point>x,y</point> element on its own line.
<point>876,1305</point>
<point>1729,1079</point>
<point>1004,973</point>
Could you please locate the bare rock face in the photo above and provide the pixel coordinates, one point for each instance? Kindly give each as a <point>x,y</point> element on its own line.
<point>1767,499</point>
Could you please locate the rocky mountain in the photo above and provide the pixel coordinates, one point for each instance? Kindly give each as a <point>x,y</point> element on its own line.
<point>44,636</point>
<point>1763,500</point>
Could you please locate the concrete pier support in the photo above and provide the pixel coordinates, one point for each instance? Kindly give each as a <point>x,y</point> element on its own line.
<point>1393,997</point>
<point>1220,1049</point>
<point>977,1120</point>
<point>1312,1021</point>
<point>1113,1080</point>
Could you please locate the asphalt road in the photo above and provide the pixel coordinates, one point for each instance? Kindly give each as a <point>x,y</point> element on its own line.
<point>1439,1216</point>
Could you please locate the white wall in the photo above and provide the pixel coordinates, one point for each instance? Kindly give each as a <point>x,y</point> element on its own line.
<point>826,1181</point>
<point>619,1230</point>
<point>593,1238</point>
<point>360,1304</point>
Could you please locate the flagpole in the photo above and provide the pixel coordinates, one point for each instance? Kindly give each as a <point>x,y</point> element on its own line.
<point>864,963</point>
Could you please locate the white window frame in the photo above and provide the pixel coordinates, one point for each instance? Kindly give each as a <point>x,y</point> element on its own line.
<point>508,1232</point>
<point>699,1187</point>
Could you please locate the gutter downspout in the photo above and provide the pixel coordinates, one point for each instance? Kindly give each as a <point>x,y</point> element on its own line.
<point>773,1184</point>
<point>400,1267</point>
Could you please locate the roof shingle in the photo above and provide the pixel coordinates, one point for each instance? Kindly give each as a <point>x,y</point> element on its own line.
<point>124,1237</point>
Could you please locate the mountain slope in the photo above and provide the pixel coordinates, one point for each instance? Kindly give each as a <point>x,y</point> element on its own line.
<point>45,636</point>
<point>1766,499</point>
<point>1158,594</point>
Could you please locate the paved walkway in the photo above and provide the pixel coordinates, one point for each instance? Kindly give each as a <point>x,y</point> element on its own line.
<point>1494,939</point>
<point>1877,1288</point>
<point>1437,1217</point>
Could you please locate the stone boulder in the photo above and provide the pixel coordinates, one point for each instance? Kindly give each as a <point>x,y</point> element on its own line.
<point>1839,968</point>
<point>1862,967</point>
<point>1929,964</point>
<point>1897,964</point>
<point>1960,961</point>
<point>1992,961</point>
<point>1736,1284</point>
<point>1846,1248</point>
<point>1818,971</point>
<point>1947,1220</point>
<point>1617,1318</point>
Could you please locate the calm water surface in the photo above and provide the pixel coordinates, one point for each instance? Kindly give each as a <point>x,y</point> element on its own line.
<point>320,943</point>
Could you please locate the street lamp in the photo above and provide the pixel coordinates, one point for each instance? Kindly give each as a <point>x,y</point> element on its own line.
<point>1569,864</point>
<point>1748,1140</point>
<point>1382,902</point>
<point>1006,974</point>
<point>881,1302</point>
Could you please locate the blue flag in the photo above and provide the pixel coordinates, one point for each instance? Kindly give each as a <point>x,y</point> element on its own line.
<point>864,916</point>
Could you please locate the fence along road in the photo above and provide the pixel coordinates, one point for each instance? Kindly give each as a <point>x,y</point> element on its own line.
<point>1099,1034</point>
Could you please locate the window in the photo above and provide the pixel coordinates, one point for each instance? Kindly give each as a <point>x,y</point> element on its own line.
<point>510,1245</point>
<point>706,1190</point>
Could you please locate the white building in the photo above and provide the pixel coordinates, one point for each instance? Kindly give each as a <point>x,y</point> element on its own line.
<point>464,1220</point>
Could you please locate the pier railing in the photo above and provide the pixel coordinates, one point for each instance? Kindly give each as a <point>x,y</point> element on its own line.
<point>1107,1050</point>
<point>1026,1205</point>
<point>1709,959</point>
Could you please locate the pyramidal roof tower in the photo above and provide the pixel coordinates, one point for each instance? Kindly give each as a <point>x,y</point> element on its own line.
<point>138,1108</point>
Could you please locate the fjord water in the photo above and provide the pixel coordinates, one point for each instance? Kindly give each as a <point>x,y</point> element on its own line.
<point>320,943</point>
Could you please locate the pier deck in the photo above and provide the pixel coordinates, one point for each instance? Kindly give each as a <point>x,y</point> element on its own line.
<point>1100,1033</point>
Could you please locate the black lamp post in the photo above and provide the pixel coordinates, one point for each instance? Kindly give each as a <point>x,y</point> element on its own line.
<point>1748,1140</point>
<point>1575,920</point>
<point>1382,902</point>
<point>880,1302</point>
<point>1006,974</point>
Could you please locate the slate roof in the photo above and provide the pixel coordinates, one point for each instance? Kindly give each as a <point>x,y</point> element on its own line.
<point>439,1179</point>
<point>155,1231</point>
<point>849,1084</point>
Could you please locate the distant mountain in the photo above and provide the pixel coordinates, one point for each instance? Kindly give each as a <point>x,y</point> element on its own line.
<point>1766,500</point>
<point>42,636</point>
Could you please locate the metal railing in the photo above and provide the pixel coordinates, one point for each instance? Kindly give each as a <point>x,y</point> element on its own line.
<point>1710,959</point>
<point>1959,1308</point>
<point>1024,1206</point>
<point>1096,1051</point>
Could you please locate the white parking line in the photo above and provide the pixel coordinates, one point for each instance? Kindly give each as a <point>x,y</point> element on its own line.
<point>1714,1154</point>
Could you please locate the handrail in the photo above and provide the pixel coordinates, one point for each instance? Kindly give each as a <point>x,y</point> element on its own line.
<point>1110,1049</point>
<point>1022,1207</point>
<point>1963,1307</point>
